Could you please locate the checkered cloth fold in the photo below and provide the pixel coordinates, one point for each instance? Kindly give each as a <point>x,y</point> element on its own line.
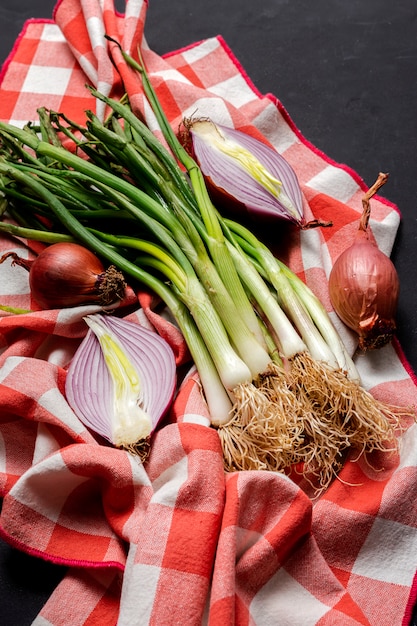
<point>177,541</point>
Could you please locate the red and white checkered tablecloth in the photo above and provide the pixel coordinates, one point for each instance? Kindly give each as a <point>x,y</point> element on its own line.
<point>178,541</point>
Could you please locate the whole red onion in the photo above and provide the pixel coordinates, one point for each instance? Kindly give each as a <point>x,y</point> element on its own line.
<point>364,285</point>
<point>67,274</point>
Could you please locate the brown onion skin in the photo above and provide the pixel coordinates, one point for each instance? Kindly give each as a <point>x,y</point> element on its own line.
<point>364,290</point>
<point>67,274</point>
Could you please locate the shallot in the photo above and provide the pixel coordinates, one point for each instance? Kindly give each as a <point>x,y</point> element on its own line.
<point>364,285</point>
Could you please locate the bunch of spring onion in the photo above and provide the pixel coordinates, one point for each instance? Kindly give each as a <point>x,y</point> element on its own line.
<point>280,387</point>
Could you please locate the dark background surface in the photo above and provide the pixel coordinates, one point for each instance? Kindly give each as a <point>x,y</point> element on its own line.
<point>346,71</point>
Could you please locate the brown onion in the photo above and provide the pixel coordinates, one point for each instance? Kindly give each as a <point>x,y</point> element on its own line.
<point>364,285</point>
<point>67,274</point>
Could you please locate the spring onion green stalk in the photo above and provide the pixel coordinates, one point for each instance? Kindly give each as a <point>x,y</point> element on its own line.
<point>44,236</point>
<point>323,322</point>
<point>289,341</point>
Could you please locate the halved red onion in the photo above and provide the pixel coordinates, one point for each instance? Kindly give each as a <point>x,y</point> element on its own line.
<point>247,171</point>
<point>90,389</point>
